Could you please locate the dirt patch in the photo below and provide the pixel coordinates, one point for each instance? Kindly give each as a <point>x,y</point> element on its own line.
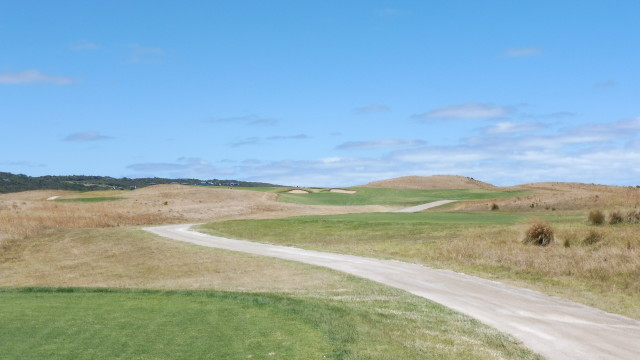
<point>431,182</point>
<point>342,191</point>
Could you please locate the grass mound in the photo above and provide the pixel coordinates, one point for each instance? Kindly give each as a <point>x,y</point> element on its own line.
<point>539,233</point>
<point>596,217</point>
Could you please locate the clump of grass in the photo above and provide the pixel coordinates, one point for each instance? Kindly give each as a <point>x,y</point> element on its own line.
<point>494,207</point>
<point>592,238</point>
<point>596,217</point>
<point>633,217</point>
<point>539,233</point>
<point>615,217</point>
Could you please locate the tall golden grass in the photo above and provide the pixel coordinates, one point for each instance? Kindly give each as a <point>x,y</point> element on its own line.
<point>23,219</point>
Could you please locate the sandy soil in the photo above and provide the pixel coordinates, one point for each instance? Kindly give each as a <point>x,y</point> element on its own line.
<point>297,191</point>
<point>555,328</point>
<point>342,191</point>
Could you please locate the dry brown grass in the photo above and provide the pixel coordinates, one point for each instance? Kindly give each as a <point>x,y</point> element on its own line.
<point>29,213</point>
<point>128,258</point>
<point>561,196</point>
<point>600,271</point>
<point>430,182</point>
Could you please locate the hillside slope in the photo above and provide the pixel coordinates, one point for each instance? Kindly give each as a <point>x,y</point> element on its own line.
<point>430,182</point>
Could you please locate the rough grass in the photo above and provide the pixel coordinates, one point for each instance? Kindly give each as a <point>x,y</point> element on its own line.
<point>602,275</point>
<point>355,318</point>
<point>381,196</point>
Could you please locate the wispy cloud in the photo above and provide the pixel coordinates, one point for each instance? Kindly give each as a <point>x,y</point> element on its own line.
<point>289,137</point>
<point>606,84</point>
<point>85,46</point>
<point>143,54</point>
<point>20,164</point>
<point>86,136</point>
<point>509,155</point>
<point>251,120</point>
<point>523,51</point>
<point>183,167</point>
<point>34,77</point>
<point>509,127</point>
<point>254,140</point>
<point>465,111</point>
<point>370,109</point>
<point>379,144</point>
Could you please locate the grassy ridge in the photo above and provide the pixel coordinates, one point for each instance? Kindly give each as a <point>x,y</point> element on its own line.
<point>142,324</point>
<point>381,196</point>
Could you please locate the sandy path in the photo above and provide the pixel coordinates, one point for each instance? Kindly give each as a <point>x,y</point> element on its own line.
<point>553,327</point>
<point>424,206</point>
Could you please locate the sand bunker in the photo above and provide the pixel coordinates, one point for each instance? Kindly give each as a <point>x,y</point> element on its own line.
<point>342,191</point>
<point>297,191</point>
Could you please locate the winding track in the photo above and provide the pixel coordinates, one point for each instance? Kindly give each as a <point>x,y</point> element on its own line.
<point>553,327</point>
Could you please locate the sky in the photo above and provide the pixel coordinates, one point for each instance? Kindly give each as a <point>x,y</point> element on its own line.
<point>322,93</point>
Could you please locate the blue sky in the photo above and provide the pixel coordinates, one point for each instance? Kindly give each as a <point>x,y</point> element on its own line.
<point>322,93</point>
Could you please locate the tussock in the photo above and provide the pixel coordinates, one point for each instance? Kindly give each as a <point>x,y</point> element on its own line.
<point>539,233</point>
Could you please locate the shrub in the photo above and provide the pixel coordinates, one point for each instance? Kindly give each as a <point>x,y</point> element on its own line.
<point>615,217</point>
<point>596,217</point>
<point>592,238</point>
<point>540,234</point>
<point>633,217</point>
<point>494,207</point>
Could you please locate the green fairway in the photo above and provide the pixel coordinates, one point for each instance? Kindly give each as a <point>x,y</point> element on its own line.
<point>373,323</point>
<point>154,325</point>
<point>380,196</point>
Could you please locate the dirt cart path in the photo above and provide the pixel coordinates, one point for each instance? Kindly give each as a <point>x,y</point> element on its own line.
<point>424,206</point>
<point>553,327</point>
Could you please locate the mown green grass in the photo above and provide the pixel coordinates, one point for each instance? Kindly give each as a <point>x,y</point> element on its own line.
<point>380,196</point>
<point>360,233</point>
<point>71,323</point>
<point>91,199</point>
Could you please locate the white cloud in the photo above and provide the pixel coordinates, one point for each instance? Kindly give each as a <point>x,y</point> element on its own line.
<point>86,136</point>
<point>379,144</point>
<point>34,77</point>
<point>466,111</point>
<point>510,127</point>
<point>523,51</point>
<point>594,153</point>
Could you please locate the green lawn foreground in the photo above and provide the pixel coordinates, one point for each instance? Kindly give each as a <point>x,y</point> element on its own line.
<point>76,323</point>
